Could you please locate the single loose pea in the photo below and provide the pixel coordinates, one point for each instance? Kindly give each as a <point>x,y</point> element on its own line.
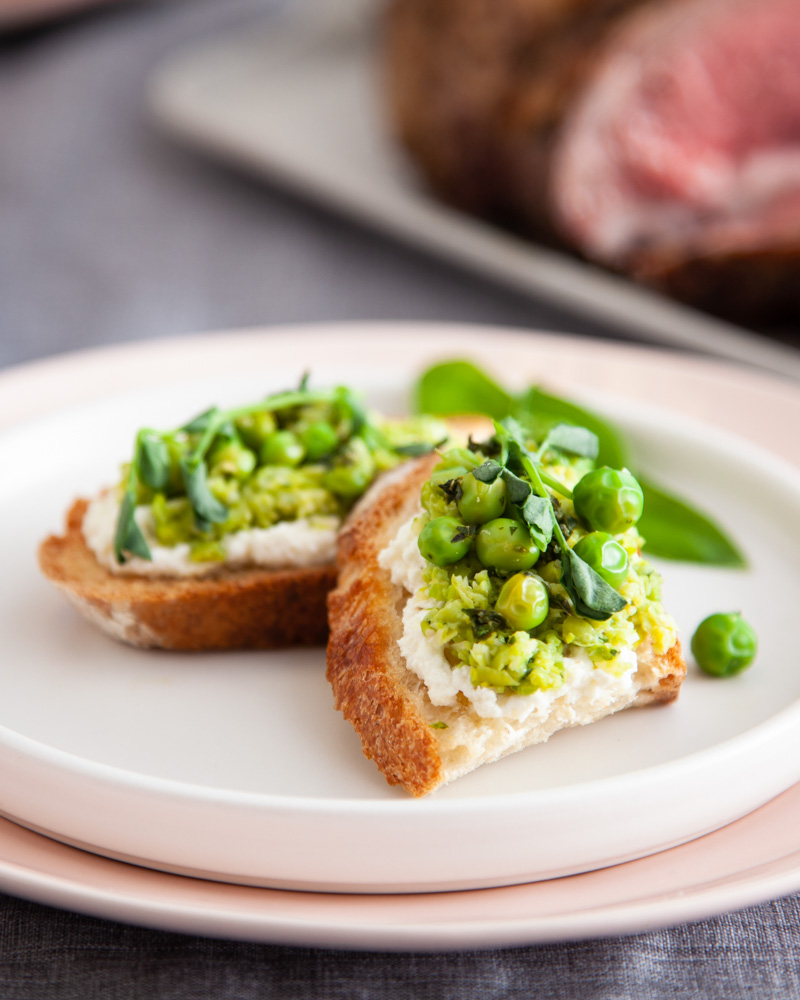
<point>504,543</point>
<point>444,540</point>
<point>608,500</point>
<point>352,472</point>
<point>282,448</point>
<point>481,502</point>
<point>724,644</point>
<point>523,601</point>
<point>319,440</point>
<point>605,556</point>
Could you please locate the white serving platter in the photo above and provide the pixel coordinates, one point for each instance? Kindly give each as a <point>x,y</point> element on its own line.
<point>297,98</point>
<point>236,767</point>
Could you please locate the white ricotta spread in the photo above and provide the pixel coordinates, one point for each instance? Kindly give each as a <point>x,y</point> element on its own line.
<point>301,543</point>
<point>586,689</point>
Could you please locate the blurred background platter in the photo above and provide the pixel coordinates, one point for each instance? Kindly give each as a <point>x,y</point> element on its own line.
<point>299,100</point>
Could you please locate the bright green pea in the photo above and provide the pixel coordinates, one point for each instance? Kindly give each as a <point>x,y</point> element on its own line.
<point>255,428</point>
<point>608,500</point>
<point>523,601</point>
<point>232,459</point>
<point>319,440</point>
<point>352,472</point>
<point>605,556</point>
<point>439,476</point>
<point>444,541</point>
<point>282,448</point>
<point>724,644</point>
<point>481,502</point>
<point>506,544</point>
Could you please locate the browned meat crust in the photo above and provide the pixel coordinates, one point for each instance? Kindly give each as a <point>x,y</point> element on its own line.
<point>241,609</point>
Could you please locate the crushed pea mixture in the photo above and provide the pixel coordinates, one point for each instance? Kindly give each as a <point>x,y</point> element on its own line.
<point>463,620</point>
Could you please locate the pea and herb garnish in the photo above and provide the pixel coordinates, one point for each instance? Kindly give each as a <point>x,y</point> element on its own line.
<point>306,453</point>
<point>519,569</point>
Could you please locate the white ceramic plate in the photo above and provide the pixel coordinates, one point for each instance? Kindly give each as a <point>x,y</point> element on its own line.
<point>236,766</point>
<point>298,99</point>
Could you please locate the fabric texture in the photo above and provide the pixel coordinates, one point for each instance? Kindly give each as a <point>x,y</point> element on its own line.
<point>110,231</point>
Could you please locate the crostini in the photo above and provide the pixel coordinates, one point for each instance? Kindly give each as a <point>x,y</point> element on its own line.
<point>222,533</point>
<point>489,597</point>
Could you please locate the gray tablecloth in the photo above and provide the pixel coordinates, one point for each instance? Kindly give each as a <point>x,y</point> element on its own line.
<point>108,232</point>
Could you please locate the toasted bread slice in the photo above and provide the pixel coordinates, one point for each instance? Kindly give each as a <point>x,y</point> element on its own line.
<point>415,743</point>
<point>233,609</point>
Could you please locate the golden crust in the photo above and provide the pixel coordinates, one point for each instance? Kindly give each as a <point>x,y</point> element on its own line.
<point>241,609</point>
<point>372,686</point>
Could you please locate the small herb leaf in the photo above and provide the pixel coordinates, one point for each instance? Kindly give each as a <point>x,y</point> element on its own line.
<point>484,622</point>
<point>153,460</point>
<point>206,507</point>
<point>487,472</point>
<point>452,490</point>
<point>537,512</point>
<point>573,440</point>
<point>128,536</point>
<point>517,490</point>
<point>591,595</point>
<point>416,449</point>
<point>200,422</point>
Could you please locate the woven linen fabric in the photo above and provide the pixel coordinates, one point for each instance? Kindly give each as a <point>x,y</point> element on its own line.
<point>109,232</point>
<point>50,955</point>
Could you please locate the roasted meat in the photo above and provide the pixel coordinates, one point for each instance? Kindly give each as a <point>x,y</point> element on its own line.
<point>658,137</point>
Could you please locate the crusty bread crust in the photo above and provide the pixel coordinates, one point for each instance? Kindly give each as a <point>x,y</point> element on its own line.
<point>386,702</point>
<point>234,609</point>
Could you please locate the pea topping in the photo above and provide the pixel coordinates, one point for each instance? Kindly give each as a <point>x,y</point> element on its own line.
<point>282,448</point>
<point>319,439</point>
<point>724,644</point>
<point>444,541</point>
<point>608,500</point>
<point>353,470</point>
<point>605,556</point>
<point>523,601</point>
<point>481,502</point>
<point>504,543</point>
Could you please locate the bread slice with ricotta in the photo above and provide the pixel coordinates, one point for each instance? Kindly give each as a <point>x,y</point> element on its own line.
<point>240,608</point>
<point>416,743</point>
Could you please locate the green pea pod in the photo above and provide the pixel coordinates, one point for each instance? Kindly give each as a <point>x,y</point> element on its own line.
<point>673,530</point>
<point>460,387</point>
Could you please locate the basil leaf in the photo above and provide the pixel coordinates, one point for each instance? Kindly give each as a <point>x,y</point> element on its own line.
<point>540,413</point>
<point>206,507</point>
<point>591,595</point>
<point>128,536</point>
<point>674,530</point>
<point>537,512</point>
<point>484,622</point>
<point>460,387</point>
<point>574,440</point>
<point>200,422</point>
<point>487,472</point>
<point>517,490</point>
<point>153,463</point>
